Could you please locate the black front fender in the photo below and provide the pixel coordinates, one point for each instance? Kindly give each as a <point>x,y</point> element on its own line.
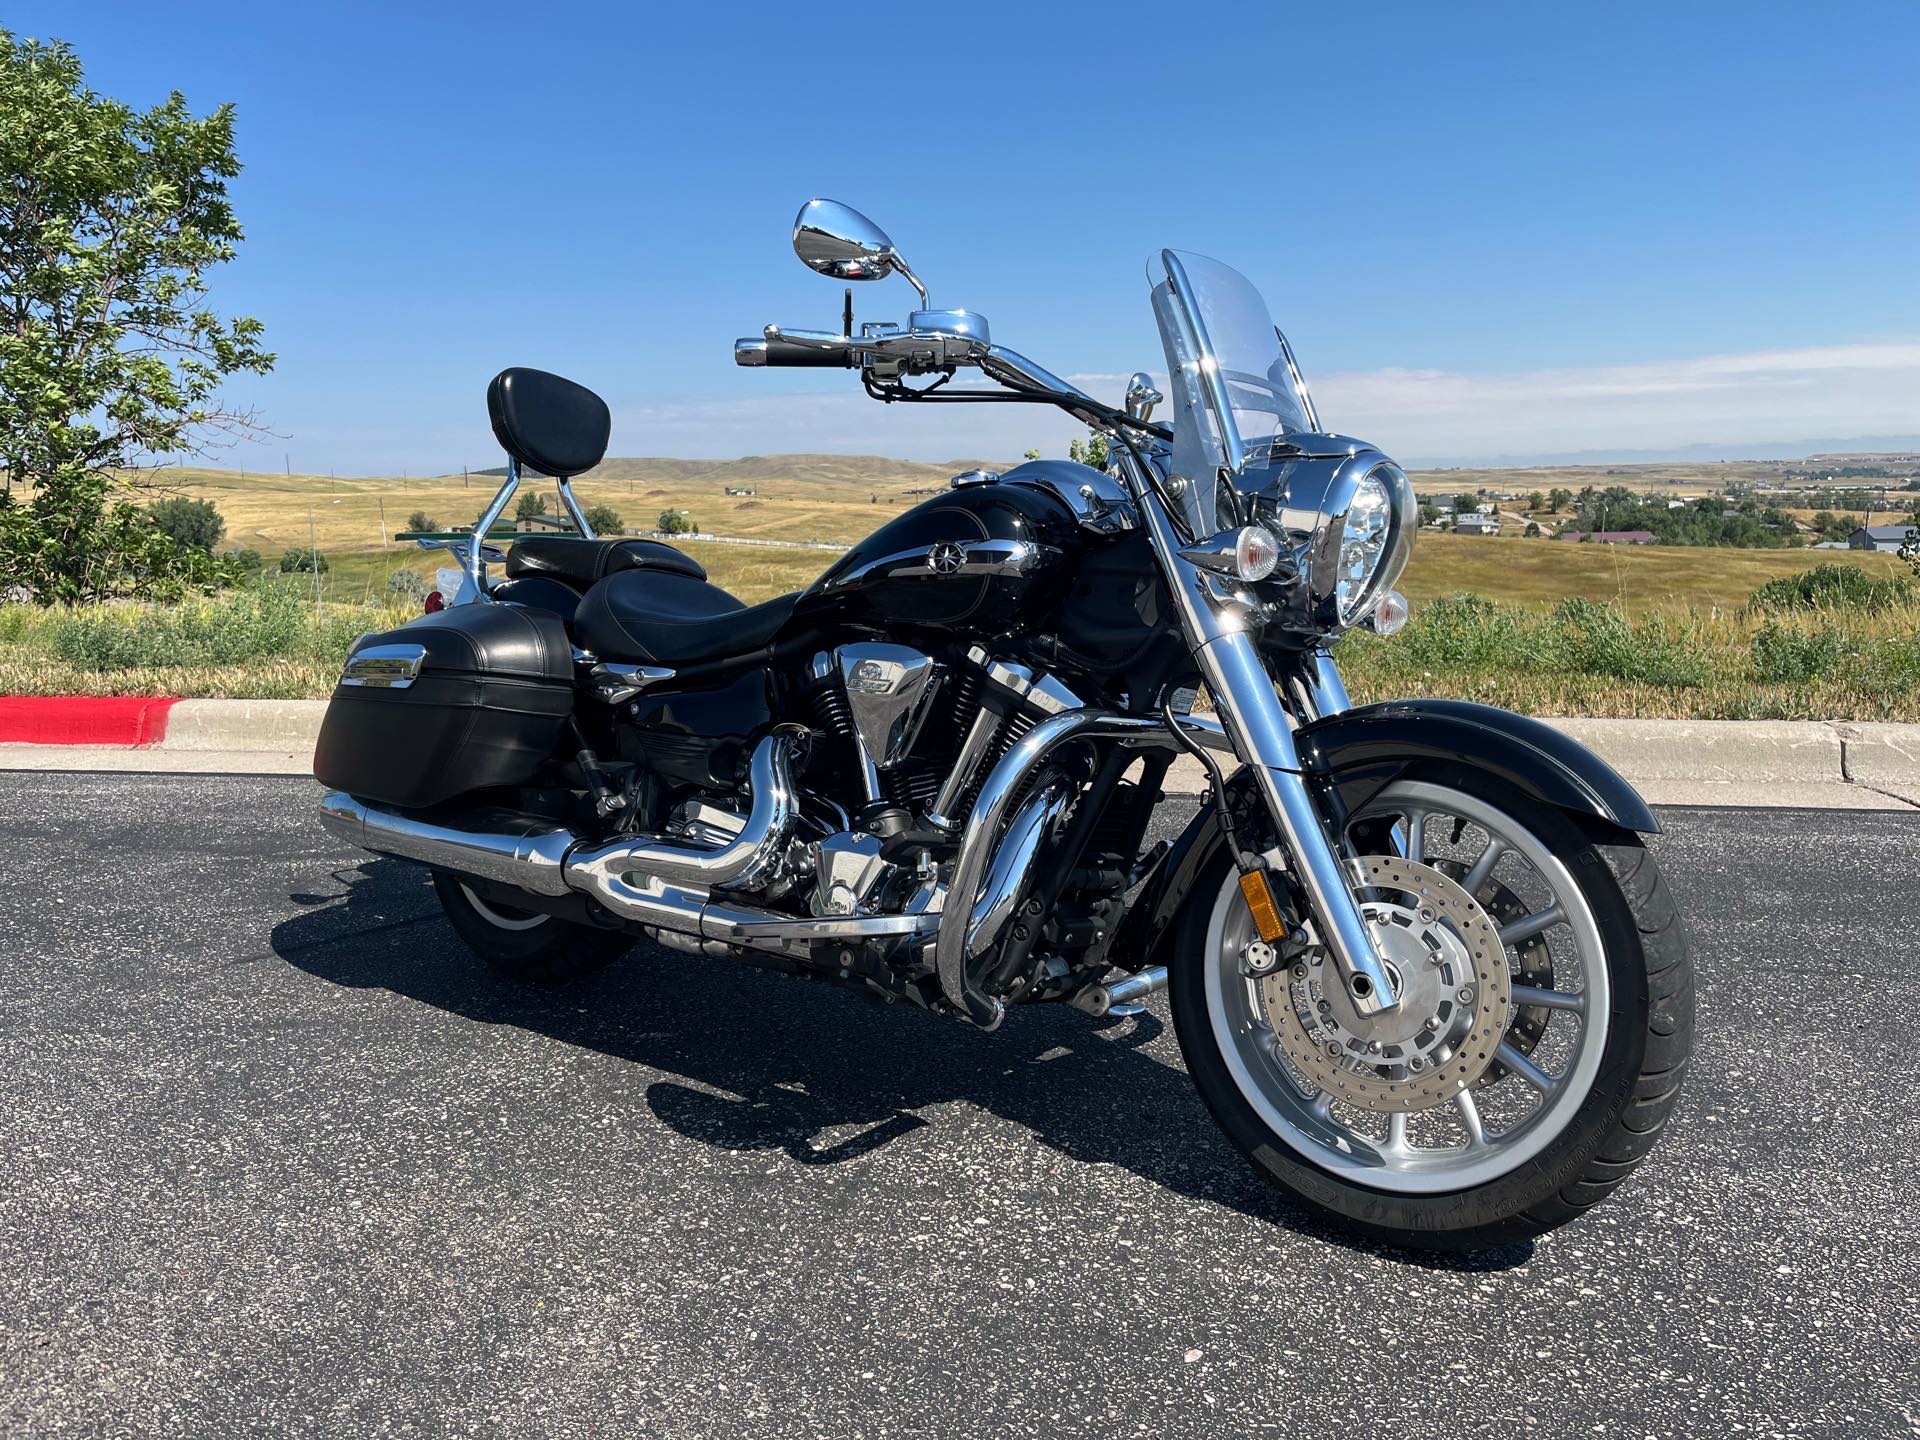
<point>1356,754</point>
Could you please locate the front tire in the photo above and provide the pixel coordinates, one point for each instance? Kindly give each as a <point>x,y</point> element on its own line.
<point>1590,1062</point>
<point>525,946</point>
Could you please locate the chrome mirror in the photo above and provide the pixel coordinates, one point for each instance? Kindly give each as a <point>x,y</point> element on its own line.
<point>839,241</point>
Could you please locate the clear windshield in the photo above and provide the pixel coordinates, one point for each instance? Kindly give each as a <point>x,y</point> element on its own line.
<point>1233,389</point>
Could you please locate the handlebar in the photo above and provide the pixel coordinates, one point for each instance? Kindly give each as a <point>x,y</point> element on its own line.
<point>786,352</point>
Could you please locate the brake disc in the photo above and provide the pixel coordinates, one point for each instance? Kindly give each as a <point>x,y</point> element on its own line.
<point>1533,965</point>
<point>1443,953</point>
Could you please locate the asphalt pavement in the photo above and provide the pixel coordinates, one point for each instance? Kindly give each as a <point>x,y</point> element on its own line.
<point>279,1158</point>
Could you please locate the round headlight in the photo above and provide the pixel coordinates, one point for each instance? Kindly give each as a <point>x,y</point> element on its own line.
<point>1372,540</point>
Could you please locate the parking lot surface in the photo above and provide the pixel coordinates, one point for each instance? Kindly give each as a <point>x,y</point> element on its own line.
<point>280,1158</point>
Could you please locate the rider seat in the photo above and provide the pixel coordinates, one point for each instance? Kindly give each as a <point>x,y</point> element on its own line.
<point>581,562</point>
<point>650,617</point>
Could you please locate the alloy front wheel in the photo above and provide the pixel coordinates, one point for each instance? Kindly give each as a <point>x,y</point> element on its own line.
<point>1540,1041</point>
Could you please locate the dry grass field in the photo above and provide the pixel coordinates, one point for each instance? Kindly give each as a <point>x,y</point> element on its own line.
<point>840,498</point>
<point>1562,629</point>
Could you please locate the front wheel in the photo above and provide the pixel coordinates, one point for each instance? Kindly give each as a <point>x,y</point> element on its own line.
<point>1546,1021</point>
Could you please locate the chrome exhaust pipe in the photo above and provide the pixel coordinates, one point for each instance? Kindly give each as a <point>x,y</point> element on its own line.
<point>528,854</point>
<point>647,880</point>
<point>751,857</point>
<point>548,859</point>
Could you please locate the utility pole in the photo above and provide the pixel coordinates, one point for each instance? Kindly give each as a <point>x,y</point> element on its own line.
<point>313,549</point>
<point>383,522</point>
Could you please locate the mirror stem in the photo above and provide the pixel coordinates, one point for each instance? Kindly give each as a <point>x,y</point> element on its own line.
<point>846,315</point>
<point>900,268</point>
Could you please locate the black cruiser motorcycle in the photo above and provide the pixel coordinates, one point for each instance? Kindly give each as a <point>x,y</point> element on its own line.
<point>1422,967</point>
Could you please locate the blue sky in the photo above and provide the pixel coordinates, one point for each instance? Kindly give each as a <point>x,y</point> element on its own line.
<point>1490,230</point>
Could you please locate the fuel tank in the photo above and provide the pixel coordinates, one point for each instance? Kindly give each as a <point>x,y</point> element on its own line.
<point>976,561</point>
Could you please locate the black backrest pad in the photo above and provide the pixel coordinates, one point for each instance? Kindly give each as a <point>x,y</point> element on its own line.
<point>548,423</point>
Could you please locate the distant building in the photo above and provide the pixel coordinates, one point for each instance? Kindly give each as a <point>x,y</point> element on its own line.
<point>543,525</point>
<point>1886,538</point>
<point>1479,522</point>
<point>1611,537</point>
<point>739,490</point>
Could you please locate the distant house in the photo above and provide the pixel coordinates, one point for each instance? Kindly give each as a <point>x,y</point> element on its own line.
<point>1611,537</point>
<point>1442,504</point>
<point>543,525</point>
<point>739,490</point>
<point>1479,522</point>
<point>1886,538</point>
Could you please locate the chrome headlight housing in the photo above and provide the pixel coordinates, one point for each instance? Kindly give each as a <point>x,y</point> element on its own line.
<point>1347,513</point>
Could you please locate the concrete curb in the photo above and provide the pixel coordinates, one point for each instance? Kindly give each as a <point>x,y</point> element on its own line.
<point>1796,763</point>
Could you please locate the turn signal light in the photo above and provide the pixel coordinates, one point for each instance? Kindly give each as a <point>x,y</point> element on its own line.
<point>1390,613</point>
<point>1255,552</point>
<point>435,603</point>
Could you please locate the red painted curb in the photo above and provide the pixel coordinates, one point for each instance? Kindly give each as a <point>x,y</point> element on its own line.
<point>83,719</point>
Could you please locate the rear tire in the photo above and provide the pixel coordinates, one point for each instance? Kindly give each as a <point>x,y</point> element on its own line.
<point>1611,1128</point>
<point>525,946</point>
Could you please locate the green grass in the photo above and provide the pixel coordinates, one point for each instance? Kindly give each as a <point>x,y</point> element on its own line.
<point>267,643</point>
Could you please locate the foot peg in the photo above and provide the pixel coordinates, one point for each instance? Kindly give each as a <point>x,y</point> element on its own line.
<point>1123,996</point>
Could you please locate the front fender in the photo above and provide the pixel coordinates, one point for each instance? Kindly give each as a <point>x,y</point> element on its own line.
<point>1357,753</point>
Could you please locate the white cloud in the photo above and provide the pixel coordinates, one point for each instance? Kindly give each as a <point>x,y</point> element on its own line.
<point>1753,398</point>
<point>1756,398</point>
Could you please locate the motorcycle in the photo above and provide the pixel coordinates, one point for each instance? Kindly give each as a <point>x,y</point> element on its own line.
<point>1422,967</point>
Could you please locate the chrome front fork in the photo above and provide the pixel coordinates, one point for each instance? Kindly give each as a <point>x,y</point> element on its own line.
<point>1257,724</point>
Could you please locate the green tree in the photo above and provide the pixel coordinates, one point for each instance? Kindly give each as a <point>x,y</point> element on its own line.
<point>111,357</point>
<point>1533,530</point>
<point>422,523</point>
<point>1091,451</point>
<point>1031,455</point>
<point>1465,504</point>
<point>532,503</point>
<point>192,524</point>
<point>1536,501</point>
<point>300,561</point>
<point>1557,499</point>
<point>604,520</point>
<point>672,522</point>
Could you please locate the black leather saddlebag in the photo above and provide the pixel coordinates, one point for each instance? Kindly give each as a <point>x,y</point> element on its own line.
<point>465,699</point>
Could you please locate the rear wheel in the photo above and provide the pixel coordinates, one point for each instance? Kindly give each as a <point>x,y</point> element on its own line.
<point>528,946</point>
<point>1546,1025</point>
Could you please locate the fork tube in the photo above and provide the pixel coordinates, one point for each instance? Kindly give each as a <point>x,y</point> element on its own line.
<point>1257,723</point>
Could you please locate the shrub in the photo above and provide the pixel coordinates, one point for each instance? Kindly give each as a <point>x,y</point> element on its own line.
<point>1833,587</point>
<point>262,622</point>
<point>420,521</point>
<point>1587,637</point>
<point>406,583</point>
<point>1784,655</point>
<point>249,562</point>
<point>275,621</point>
<point>190,524</point>
<point>302,562</point>
<point>1463,629</point>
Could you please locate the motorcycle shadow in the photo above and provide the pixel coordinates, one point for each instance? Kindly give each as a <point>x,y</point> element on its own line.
<point>755,1061</point>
